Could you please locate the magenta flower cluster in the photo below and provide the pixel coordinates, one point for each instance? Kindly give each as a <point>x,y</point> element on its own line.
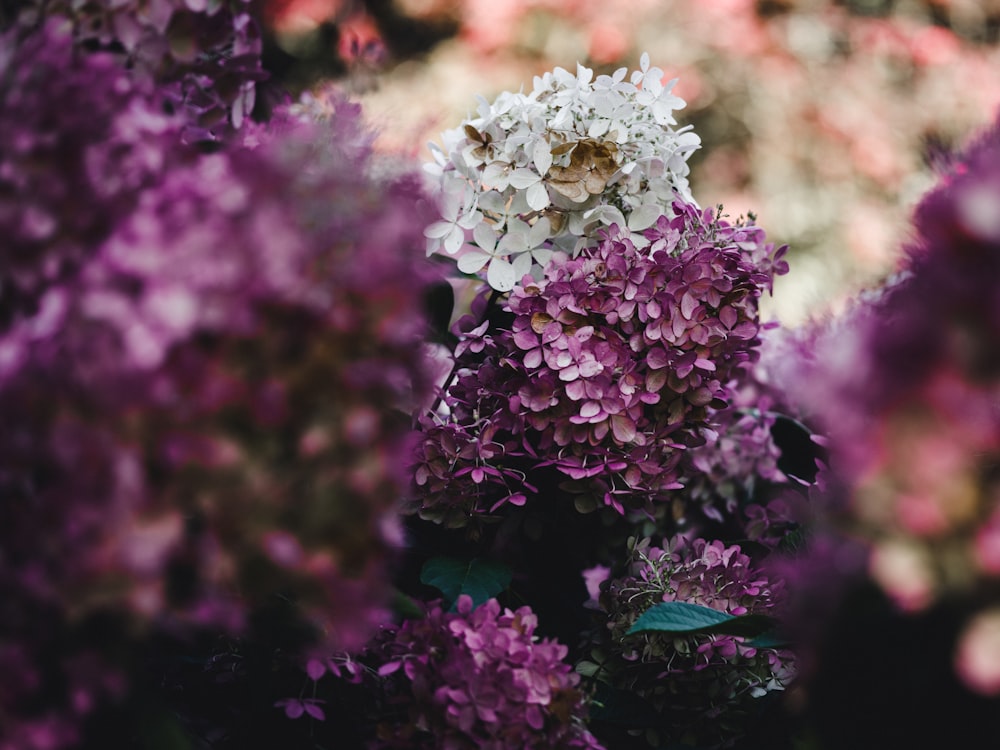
<point>475,678</point>
<point>72,124</point>
<point>730,467</point>
<point>608,370</point>
<point>906,385</point>
<point>204,55</point>
<point>206,377</point>
<point>737,472</point>
<point>704,685</point>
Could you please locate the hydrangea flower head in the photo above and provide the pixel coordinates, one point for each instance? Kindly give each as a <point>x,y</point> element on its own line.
<point>914,423</point>
<point>476,678</point>
<point>205,54</point>
<point>906,386</point>
<point>607,369</point>
<point>72,125</point>
<point>703,686</point>
<point>210,410</point>
<point>546,170</point>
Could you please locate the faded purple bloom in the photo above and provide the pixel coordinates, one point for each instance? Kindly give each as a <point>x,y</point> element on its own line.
<point>206,56</point>
<point>703,686</point>
<point>908,393</point>
<point>82,138</point>
<point>475,678</point>
<point>906,385</point>
<point>611,370</point>
<point>212,407</point>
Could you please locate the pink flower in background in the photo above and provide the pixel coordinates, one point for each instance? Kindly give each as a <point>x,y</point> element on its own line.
<point>977,656</point>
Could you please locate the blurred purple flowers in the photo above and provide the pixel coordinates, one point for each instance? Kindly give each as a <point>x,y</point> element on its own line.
<point>207,368</point>
<point>72,124</point>
<point>204,55</point>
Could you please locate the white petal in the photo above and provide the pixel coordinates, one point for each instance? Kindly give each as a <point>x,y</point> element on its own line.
<point>492,202</point>
<point>542,255</point>
<point>598,128</point>
<point>518,203</point>
<point>470,219</point>
<point>538,196</point>
<point>518,227</point>
<point>542,156</point>
<point>485,237</point>
<point>454,241</point>
<point>644,217</point>
<point>472,261</point>
<point>522,265</point>
<point>439,229</point>
<point>540,232</point>
<point>663,113</point>
<point>523,177</point>
<point>501,276</point>
<point>606,215</point>
<point>494,175</point>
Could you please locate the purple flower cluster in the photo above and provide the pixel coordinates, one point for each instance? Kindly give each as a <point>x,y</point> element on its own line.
<point>737,472</point>
<point>909,396</point>
<point>72,125</point>
<point>206,383</point>
<point>730,467</point>
<point>609,370</point>
<point>702,685</point>
<point>205,54</point>
<point>475,678</point>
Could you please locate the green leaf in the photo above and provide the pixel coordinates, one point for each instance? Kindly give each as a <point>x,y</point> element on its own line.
<point>480,579</point>
<point>406,606</point>
<point>684,617</point>
<point>770,639</point>
<point>587,668</point>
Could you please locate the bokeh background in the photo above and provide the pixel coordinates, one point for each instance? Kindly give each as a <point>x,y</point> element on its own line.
<point>822,118</point>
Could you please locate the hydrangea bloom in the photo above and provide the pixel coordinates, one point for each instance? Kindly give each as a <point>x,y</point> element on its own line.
<point>475,678</point>
<point>205,53</point>
<point>72,125</point>
<point>607,369</point>
<point>702,686</point>
<point>764,458</point>
<point>546,170</point>
<point>211,410</point>
<point>906,385</point>
<point>915,372</point>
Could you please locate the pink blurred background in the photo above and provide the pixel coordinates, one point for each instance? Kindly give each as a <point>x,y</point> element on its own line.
<point>823,118</point>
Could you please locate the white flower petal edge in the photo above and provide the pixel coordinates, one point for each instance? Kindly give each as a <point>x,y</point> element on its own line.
<point>548,170</point>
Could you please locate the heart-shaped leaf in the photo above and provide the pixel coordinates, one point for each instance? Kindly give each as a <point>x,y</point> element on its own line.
<point>480,579</point>
<point>684,617</point>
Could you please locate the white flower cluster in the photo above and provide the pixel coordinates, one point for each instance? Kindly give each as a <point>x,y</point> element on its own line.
<point>544,171</point>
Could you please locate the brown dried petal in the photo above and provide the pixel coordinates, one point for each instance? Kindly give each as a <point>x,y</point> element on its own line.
<point>474,135</point>
<point>572,190</point>
<point>594,183</point>
<point>572,173</point>
<point>557,220</point>
<point>539,320</point>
